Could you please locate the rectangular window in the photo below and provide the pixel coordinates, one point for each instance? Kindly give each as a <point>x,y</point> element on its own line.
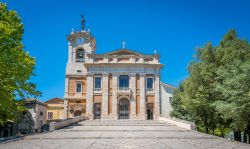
<point>150,85</point>
<point>124,82</point>
<point>78,87</point>
<point>50,115</point>
<point>98,83</point>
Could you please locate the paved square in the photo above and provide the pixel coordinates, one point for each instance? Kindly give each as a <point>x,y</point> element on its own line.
<point>124,134</point>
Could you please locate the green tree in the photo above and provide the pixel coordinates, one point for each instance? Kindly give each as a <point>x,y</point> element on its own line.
<point>217,92</point>
<point>16,66</point>
<point>198,95</point>
<point>178,110</point>
<point>233,80</point>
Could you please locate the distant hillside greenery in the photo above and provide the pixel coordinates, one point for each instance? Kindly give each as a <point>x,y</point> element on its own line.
<point>16,66</point>
<point>216,94</point>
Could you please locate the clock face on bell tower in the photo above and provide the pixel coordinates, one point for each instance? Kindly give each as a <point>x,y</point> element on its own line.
<point>80,40</point>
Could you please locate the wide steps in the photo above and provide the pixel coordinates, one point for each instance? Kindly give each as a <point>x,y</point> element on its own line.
<point>123,123</point>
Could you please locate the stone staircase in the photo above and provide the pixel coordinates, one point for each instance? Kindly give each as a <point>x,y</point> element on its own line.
<point>124,134</point>
<point>124,123</point>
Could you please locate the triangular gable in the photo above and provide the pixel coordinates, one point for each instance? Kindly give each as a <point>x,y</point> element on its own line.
<point>123,52</point>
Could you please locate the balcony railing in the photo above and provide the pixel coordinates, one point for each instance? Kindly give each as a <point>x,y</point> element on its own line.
<point>80,60</point>
<point>150,90</point>
<point>123,89</point>
<point>97,90</point>
<point>77,104</point>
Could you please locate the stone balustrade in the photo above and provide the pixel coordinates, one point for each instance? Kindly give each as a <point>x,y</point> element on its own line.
<point>133,60</point>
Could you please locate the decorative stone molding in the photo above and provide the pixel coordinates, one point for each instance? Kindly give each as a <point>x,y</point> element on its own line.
<point>105,74</point>
<point>128,93</point>
<point>89,74</point>
<point>77,106</point>
<point>115,74</point>
<point>157,75</point>
<point>72,38</point>
<point>133,74</point>
<point>142,74</point>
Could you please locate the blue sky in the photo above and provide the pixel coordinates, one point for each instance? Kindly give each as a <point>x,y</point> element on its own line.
<point>173,28</point>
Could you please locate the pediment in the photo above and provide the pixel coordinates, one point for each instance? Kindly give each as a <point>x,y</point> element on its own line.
<point>123,52</point>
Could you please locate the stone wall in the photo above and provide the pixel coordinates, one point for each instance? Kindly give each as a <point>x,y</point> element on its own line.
<point>166,107</point>
<point>65,123</point>
<point>178,122</point>
<point>41,117</point>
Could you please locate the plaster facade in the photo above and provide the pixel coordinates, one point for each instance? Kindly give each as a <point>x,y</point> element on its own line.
<point>122,84</point>
<point>55,109</point>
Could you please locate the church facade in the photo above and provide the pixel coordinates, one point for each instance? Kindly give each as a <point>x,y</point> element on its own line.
<point>122,84</point>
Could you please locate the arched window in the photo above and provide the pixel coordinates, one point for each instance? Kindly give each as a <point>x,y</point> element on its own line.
<point>80,55</point>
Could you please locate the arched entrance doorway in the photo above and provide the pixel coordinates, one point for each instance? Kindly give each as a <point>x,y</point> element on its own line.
<point>124,108</point>
<point>77,113</point>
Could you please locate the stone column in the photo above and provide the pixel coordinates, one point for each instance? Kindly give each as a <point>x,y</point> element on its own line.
<point>142,97</point>
<point>114,96</point>
<point>157,97</point>
<point>133,96</point>
<point>89,96</point>
<point>105,96</point>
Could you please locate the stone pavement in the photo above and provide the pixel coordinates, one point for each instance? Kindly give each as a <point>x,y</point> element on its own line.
<point>97,134</point>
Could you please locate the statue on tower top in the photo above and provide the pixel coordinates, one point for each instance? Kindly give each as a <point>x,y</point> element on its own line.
<point>82,22</point>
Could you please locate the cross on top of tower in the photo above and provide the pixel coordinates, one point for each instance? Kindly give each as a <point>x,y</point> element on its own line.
<point>123,44</point>
<point>82,22</point>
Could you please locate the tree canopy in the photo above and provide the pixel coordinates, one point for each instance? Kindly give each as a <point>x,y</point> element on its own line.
<point>216,93</point>
<point>16,66</point>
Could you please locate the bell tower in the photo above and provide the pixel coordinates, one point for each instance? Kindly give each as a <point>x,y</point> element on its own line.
<point>81,47</point>
<point>80,44</point>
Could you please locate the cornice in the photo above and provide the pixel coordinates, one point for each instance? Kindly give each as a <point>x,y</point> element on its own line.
<point>122,64</point>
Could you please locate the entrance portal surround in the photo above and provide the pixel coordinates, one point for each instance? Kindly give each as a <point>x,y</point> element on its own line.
<point>124,108</point>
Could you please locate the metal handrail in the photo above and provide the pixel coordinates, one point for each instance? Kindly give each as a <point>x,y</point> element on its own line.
<point>97,89</point>
<point>123,89</point>
<point>151,90</point>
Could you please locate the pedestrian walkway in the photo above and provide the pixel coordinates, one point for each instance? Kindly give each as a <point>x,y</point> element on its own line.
<point>125,134</point>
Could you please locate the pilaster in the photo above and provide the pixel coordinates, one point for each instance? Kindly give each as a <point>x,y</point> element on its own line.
<point>142,97</point>
<point>133,97</point>
<point>89,96</point>
<point>70,50</point>
<point>114,95</point>
<point>105,96</point>
<point>66,89</point>
<point>157,97</point>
